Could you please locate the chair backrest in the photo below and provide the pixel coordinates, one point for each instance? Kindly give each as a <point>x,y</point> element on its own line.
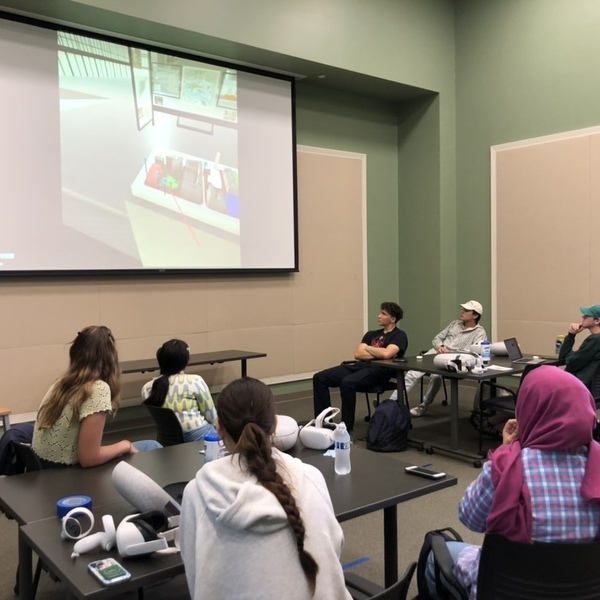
<point>397,591</point>
<point>9,463</point>
<point>515,571</point>
<point>596,385</point>
<point>27,457</point>
<point>168,427</point>
<point>528,368</point>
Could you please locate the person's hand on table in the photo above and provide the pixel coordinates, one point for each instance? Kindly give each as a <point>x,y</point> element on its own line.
<point>442,350</point>
<point>132,449</point>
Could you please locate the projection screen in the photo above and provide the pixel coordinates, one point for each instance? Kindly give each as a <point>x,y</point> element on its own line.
<point>122,158</point>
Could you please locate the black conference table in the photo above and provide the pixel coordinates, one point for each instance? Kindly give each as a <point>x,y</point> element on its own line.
<point>377,482</point>
<point>425,365</point>
<point>203,358</point>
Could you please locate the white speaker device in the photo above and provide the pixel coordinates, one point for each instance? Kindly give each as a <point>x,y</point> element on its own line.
<point>499,349</point>
<point>318,433</point>
<point>141,491</point>
<point>102,539</point>
<point>286,433</point>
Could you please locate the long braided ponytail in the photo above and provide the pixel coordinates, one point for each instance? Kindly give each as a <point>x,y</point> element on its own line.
<point>246,411</point>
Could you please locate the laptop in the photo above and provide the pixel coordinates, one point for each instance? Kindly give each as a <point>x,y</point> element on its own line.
<point>515,354</point>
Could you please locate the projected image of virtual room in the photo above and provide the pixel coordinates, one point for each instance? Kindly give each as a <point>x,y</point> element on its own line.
<point>149,154</point>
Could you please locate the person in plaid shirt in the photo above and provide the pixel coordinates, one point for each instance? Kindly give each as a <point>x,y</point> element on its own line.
<point>548,471</point>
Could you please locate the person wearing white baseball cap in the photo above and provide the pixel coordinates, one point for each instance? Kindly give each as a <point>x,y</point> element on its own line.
<point>583,362</point>
<point>459,336</point>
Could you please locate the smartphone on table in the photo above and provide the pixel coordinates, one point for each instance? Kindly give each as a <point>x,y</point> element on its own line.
<point>421,472</point>
<point>108,571</point>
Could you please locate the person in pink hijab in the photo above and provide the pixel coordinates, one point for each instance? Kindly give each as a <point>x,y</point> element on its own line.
<point>543,483</point>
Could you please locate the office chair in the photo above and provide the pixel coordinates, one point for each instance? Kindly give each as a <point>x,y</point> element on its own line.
<point>495,403</point>
<point>168,427</point>
<point>538,571</point>
<point>28,462</point>
<point>518,571</point>
<point>25,455</point>
<point>21,432</point>
<point>378,390</point>
<point>397,591</point>
<point>595,387</point>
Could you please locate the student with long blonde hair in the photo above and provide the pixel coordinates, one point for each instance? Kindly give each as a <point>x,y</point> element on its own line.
<point>70,422</point>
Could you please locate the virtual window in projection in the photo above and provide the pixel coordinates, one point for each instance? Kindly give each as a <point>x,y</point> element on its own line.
<point>125,158</point>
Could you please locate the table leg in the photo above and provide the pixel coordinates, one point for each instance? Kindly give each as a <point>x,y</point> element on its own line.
<point>390,545</point>
<point>244,368</point>
<point>25,569</point>
<point>453,449</point>
<point>454,414</point>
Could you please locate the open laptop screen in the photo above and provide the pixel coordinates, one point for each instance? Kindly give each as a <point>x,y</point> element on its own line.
<point>513,350</point>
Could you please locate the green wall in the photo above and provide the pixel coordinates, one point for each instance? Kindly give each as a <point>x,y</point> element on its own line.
<point>369,127</point>
<point>525,68</point>
<point>409,145</point>
<point>497,70</point>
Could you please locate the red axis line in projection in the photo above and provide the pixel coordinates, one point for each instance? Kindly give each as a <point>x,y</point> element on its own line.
<point>186,221</point>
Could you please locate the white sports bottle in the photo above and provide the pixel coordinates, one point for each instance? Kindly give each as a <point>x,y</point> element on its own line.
<point>341,438</point>
<point>485,352</point>
<point>211,447</point>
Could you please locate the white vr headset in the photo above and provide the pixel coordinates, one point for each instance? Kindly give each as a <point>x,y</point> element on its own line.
<point>318,433</point>
<point>458,362</point>
<point>148,532</point>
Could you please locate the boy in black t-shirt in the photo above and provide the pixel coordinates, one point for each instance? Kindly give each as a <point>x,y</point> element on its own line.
<point>387,342</point>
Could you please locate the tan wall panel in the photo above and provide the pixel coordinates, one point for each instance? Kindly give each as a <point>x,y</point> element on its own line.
<point>545,237</point>
<point>38,319</point>
<point>34,314</point>
<point>275,341</point>
<point>535,337</point>
<point>138,308</point>
<point>27,373</point>
<point>330,344</point>
<point>541,190</point>
<point>331,225</point>
<point>591,223</point>
<point>249,303</point>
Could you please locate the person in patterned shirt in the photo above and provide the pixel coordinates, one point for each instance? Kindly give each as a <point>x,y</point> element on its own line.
<point>186,395</point>
<point>543,483</point>
<point>359,375</point>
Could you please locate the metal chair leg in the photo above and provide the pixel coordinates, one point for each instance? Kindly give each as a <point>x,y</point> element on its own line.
<point>368,417</point>
<point>445,400</point>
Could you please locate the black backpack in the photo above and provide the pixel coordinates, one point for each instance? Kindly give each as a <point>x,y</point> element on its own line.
<point>446,535</point>
<point>389,427</point>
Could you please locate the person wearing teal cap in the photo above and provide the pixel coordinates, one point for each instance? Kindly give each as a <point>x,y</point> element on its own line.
<point>584,361</point>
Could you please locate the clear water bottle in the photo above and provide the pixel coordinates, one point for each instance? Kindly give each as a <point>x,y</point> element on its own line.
<point>558,344</point>
<point>212,447</point>
<point>341,438</point>
<point>486,353</point>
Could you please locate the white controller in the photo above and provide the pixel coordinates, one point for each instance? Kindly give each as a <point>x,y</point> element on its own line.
<point>102,539</point>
